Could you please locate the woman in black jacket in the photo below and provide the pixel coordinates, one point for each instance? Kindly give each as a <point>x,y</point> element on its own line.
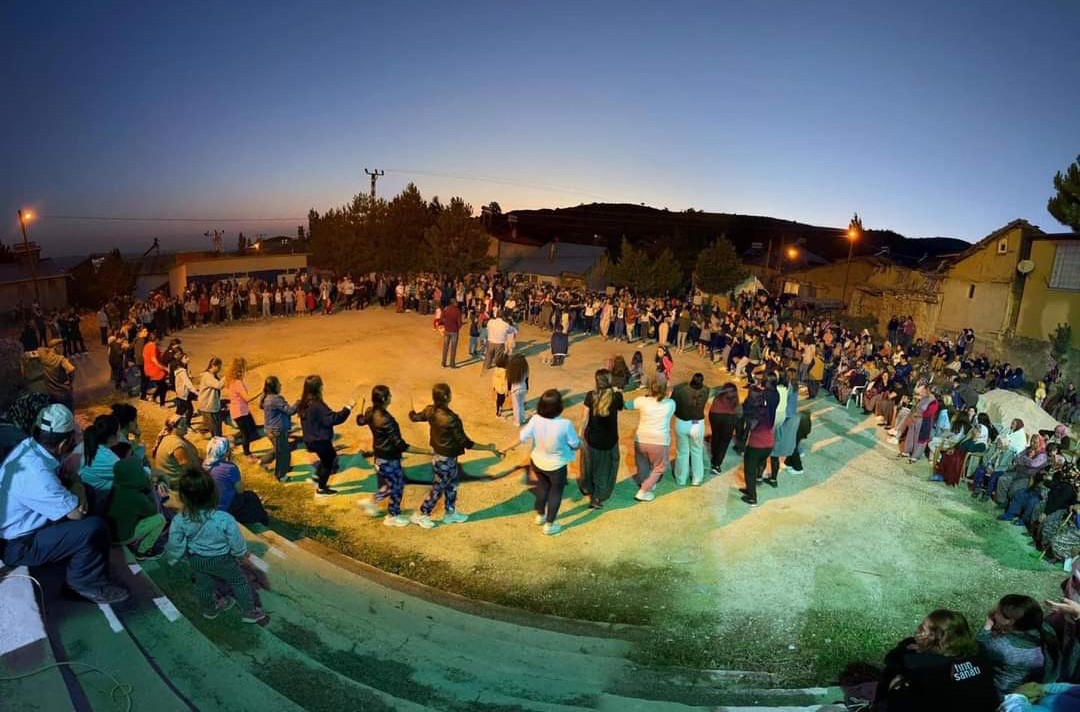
<point>388,446</point>
<point>940,669</point>
<point>317,422</point>
<point>449,441</point>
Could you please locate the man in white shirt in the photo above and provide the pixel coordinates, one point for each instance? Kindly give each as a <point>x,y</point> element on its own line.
<point>497,330</point>
<point>42,522</point>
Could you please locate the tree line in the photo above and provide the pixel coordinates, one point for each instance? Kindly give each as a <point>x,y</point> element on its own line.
<point>404,235</point>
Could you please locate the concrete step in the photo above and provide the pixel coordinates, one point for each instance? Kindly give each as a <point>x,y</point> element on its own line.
<point>305,682</point>
<point>318,612</point>
<point>29,676</point>
<point>203,672</point>
<point>510,624</point>
<point>617,703</point>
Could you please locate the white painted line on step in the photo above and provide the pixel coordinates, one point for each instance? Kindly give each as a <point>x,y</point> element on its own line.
<point>258,563</point>
<point>20,617</point>
<point>167,608</point>
<point>135,568</point>
<point>276,552</point>
<point>110,616</point>
<point>822,443</point>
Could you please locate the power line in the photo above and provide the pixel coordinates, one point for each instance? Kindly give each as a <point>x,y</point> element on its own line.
<point>112,218</point>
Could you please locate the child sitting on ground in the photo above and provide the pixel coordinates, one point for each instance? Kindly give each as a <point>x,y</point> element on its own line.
<point>133,516</point>
<point>211,542</point>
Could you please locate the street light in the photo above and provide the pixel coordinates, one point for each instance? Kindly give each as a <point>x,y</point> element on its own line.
<point>854,231</point>
<point>23,217</point>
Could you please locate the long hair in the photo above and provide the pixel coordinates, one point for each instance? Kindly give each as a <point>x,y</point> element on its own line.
<point>198,494</point>
<point>236,370</point>
<point>948,633</point>
<point>517,370</point>
<point>604,393</point>
<point>214,361</point>
<point>103,428</point>
<point>1024,611</point>
<point>312,393</point>
<point>271,387</point>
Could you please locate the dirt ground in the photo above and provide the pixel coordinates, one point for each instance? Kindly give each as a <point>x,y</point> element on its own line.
<point>835,564</point>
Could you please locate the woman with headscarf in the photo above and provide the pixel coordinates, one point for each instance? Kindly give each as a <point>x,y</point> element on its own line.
<point>1005,485</point>
<point>245,506</point>
<point>951,465</point>
<point>920,425</point>
<point>173,454</point>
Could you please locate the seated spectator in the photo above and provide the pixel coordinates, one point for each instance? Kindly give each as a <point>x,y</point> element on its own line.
<point>939,669</point>
<point>133,514</point>
<point>244,506</point>
<point>1019,648</point>
<point>1035,697</point>
<point>1003,485</point>
<point>952,461</point>
<point>1060,499</point>
<point>43,522</point>
<point>1022,505</point>
<point>173,453</point>
<point>96,468</point>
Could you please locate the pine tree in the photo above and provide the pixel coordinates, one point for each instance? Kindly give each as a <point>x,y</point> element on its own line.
<point>407,218</point>
<point>718,269</point>
<point>644,274</point>
<point>457,244</point>
<point>1065,205</point>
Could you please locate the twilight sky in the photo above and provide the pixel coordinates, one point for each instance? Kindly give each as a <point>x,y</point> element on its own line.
<point>926,117</point>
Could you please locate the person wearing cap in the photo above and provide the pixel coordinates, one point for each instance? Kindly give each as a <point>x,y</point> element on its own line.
<point>42,522</point>
<point>48,372</point>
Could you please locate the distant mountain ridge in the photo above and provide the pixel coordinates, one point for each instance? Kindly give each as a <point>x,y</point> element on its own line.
<point>689,231</point>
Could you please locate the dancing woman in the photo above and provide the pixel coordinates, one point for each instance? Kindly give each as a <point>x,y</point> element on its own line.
<point>389,446</point>
<point>317,422</point>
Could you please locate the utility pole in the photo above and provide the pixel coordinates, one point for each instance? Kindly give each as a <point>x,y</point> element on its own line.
<point>30,258</point>
<point>374,177</point>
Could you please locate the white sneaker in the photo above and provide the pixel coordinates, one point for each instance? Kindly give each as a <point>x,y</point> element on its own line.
<point>370,508</point>
<point>643,496</point>
<point>541,519</point>
<point>399,521</point>
<point>552,529</point>
<point>891,431</point>
<point>422,520</point>
<point>454,517</point>
<point>793,471</point>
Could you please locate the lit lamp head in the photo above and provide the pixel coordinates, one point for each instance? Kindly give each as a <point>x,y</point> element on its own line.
<point>792,253</point>
<point>27,215</point>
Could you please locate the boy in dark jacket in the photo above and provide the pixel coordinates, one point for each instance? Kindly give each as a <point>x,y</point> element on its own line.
<point>133,516</point>
<point>449,441</point>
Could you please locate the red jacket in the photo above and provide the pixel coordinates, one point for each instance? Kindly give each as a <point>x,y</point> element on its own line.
<point>152,362</point>
<point>451,319</point>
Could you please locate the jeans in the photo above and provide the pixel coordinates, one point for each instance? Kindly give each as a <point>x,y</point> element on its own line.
<point>449,345</point>
<point>549,491</point>
<point>491,353</point>
<point>280,454</point>
<point>689,451</point>
<point>517,402</point>
<point>212,422</point>
<point>1023,505</point>
<point>444,484</point>
<point>82,543</point>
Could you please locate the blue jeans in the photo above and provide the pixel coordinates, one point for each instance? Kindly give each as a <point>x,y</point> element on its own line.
<point>991,482</point>
<point>1023,505</point>
<point>82,543</point>
<point>444,484</point>
<point>280,454</point>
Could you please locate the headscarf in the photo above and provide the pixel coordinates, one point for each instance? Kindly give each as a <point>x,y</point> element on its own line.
<point>217,449</point>
<point>1061,431</point>
<point>24,410</point>
<point>167,427</point>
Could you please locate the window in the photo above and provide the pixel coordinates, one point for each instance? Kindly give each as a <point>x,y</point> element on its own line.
<point>1066,272</point>
<point>971,291</point>
<point>1003,246</point>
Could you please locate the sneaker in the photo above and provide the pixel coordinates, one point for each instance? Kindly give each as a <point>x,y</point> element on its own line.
<point>422,520</point>
<point>695,483</point>
<point>370,508</point>
<point>220,606</point>
<point>770,481</point>
<point>399,521</point>
<point>716,470</point>
<point>891,432</point>
<point>552,529</point>
<point>751,502</point>
<point>255,615</point>
<point>109,593</point>
<point>454,517</point>
<point>325,492</point>
<point>155,552</point>
<point>644,496</point>
<point>541,519</point>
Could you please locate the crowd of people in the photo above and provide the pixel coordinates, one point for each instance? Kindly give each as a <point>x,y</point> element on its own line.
<point>71,495</point>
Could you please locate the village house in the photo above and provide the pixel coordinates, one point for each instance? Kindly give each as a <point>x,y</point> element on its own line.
<point>565,264</point>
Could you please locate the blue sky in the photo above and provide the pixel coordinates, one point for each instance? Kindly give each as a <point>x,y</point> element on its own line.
<point>928,118</point>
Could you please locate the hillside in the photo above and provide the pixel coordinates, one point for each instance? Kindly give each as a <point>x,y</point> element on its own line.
<point>687,232</point>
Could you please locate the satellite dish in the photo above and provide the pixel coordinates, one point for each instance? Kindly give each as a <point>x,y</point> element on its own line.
<point>1025,266</point>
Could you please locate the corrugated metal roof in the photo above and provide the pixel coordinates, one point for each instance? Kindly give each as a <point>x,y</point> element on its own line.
<point>20,272</point>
